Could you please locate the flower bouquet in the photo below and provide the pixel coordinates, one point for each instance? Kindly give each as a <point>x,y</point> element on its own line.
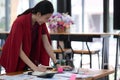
<point>59,22</point>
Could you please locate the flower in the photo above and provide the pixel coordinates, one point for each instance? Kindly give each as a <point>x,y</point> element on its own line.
<point>61,20</point>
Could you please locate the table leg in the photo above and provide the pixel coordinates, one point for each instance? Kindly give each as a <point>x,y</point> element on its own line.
<point>117,54</point>
<point>105,55</point>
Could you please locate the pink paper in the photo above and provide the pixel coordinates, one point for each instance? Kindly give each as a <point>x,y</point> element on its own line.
<point>73,77</point>
<point>60,70</point>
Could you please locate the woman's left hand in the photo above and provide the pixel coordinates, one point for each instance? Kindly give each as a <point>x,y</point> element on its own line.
<point>64,67</point>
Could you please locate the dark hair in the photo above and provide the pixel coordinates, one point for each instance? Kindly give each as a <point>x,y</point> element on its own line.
<point>44,7</point>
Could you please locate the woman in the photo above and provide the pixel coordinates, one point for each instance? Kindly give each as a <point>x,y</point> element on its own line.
<point>28,43</point>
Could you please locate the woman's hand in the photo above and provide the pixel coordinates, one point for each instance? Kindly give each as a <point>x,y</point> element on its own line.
<point>58,65</point>
<point>41,68</point>
<point>67,68</point>
<point>64,67</point>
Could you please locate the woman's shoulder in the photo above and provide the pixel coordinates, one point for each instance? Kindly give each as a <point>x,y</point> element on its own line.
<point>23,18</point>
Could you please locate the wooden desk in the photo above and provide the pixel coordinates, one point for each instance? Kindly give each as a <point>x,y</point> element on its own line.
<point>84,37</point>
<point>97,74</point>
<point>101,73</point>
<point>78,36</point>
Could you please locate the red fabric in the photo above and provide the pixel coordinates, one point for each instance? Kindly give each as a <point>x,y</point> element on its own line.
<point>21,33</point>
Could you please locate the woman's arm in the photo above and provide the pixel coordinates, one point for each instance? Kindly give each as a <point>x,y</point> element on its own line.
<point>50,52</point>
<point>48,48</point>
<point>27,61</point>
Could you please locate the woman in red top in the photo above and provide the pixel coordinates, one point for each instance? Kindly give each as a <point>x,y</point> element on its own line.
<point>28,43</point>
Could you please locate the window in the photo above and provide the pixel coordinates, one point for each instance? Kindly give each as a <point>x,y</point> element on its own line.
<point>17,7</point>
<point>87,15</point>
<point>2,15</point>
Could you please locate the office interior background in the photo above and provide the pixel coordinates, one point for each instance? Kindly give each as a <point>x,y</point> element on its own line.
<point>88,16</point>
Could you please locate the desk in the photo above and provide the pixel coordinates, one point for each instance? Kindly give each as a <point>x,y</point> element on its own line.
<point>84,37</point>
<point>97,74</point>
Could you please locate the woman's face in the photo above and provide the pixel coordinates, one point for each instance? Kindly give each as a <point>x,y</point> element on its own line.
<point>42,18</point>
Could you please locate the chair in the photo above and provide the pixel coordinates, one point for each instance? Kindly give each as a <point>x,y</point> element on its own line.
<point>86,52</point>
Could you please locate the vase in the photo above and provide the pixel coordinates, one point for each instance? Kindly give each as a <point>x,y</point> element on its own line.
<point>63,30</point>
<point>60,30</point>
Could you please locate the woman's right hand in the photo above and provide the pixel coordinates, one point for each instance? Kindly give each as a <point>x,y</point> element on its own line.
<point>41,68</point>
